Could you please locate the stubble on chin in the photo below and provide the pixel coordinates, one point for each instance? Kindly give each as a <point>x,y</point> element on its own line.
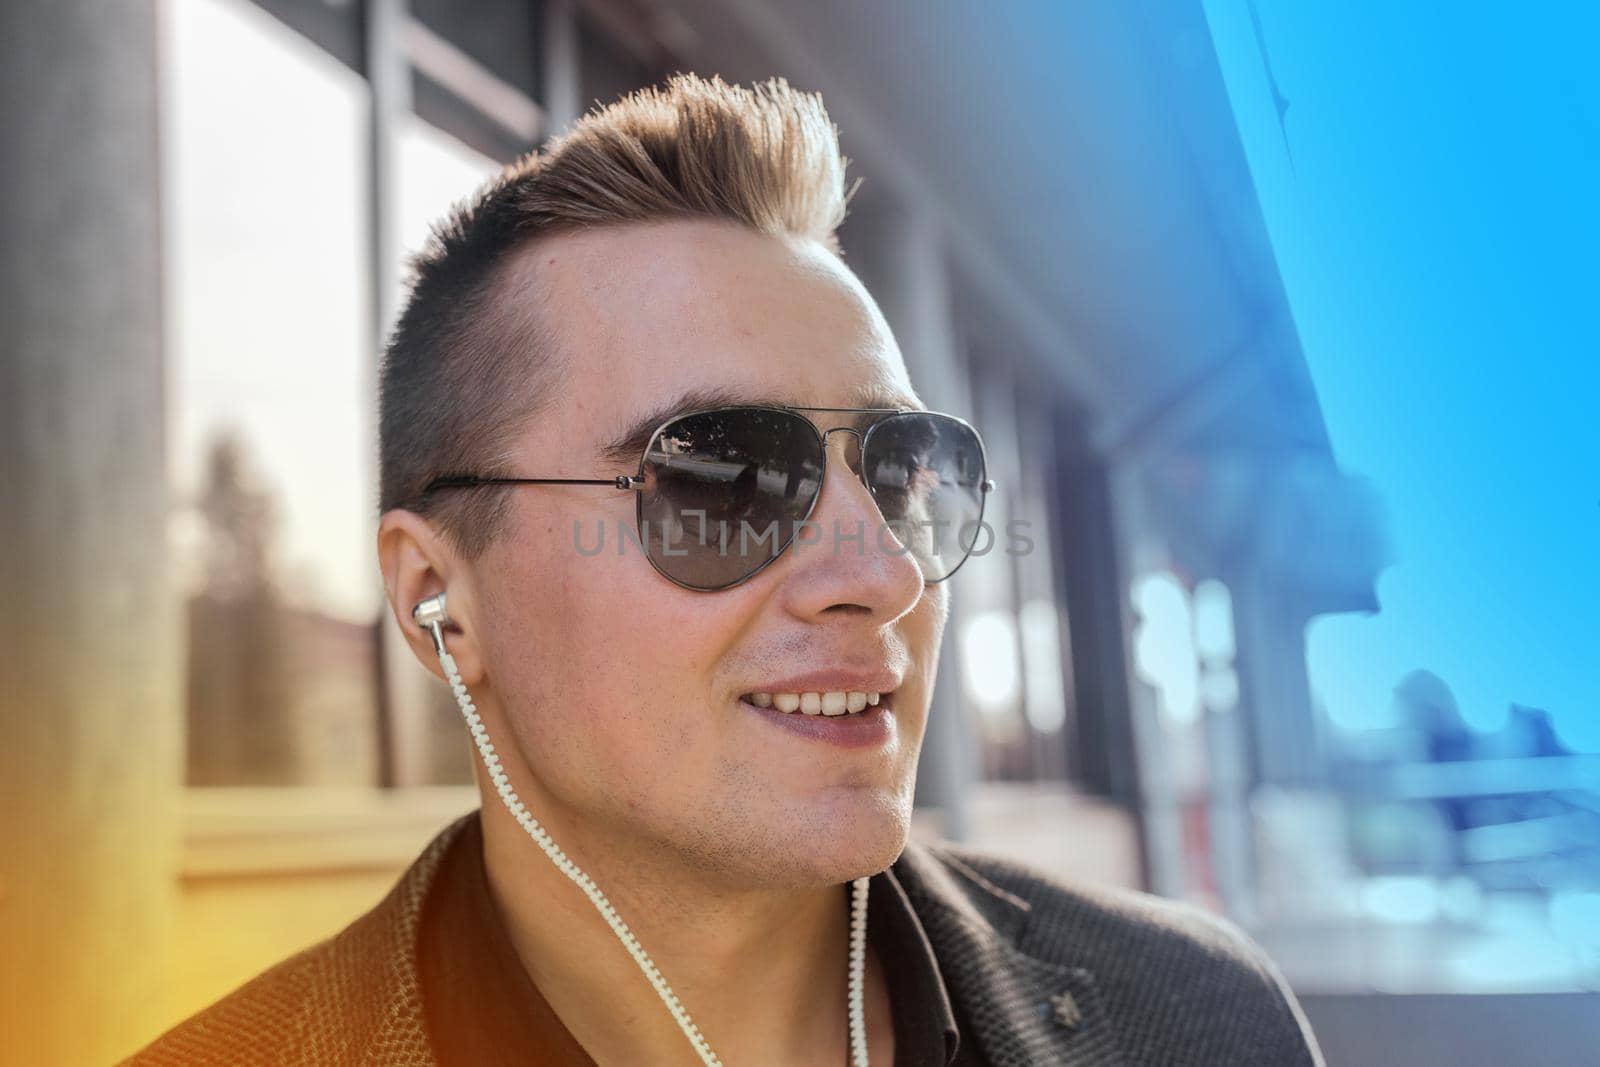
<point>747,839</point>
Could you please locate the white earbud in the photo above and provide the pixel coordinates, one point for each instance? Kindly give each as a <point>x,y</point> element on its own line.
<point>430,614</point>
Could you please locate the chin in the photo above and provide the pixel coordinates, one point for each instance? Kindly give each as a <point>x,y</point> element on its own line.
<point>841,843</point>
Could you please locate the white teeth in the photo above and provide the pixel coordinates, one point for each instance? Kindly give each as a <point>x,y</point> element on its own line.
<point>831,703</point>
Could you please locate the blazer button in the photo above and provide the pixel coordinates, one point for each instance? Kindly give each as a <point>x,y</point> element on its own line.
<point>1066,1011</point>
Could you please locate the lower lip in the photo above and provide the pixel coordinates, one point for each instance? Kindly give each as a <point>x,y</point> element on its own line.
<point>863,729</point>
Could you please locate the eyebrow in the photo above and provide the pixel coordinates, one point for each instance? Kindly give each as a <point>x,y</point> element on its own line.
<point>630,442</point>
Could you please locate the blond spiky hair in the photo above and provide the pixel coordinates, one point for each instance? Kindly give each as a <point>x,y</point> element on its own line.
<point>461,373</point>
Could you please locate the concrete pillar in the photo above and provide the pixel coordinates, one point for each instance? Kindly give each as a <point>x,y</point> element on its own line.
<point>90,731</point>
<point>908,274</point>
<point>1271,622</point>
<point>1141,549</point>
<point>563,84</point>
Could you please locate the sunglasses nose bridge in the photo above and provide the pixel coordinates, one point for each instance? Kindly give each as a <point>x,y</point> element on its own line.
<point>851,458</point>
<point>852,461</point>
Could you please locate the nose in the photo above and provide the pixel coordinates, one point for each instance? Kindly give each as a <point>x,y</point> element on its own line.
<point>845,560</point>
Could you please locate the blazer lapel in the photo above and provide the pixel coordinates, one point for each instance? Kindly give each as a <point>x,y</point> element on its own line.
<point>1023,1010</point>
<point>380,952</point>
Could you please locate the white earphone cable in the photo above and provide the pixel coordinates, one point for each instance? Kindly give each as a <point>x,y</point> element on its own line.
<point>491,762</point>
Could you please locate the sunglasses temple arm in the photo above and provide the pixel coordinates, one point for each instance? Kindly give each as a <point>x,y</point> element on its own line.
<point>621,481</point>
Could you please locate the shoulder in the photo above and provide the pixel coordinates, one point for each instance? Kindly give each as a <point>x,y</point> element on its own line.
<point>353,998</point>
<point>268,1020</point>
<point>1173,975</point>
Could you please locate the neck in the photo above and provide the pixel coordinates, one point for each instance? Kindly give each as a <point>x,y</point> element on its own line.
<point>762,972</point>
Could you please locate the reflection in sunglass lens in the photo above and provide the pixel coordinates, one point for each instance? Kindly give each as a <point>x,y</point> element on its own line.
<point>724,490</point>
<point>926,472</point>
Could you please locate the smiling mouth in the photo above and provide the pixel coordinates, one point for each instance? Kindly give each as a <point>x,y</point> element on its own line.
<point>832,704</point>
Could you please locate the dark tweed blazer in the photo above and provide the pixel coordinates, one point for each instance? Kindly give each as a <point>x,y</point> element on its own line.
<point>1045,973</point>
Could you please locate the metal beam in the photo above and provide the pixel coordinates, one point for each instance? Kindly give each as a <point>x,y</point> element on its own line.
<point>477,85</point>
<point>980,263</point>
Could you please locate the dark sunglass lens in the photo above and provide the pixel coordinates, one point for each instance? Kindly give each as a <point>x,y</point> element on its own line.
<point>724,491</point>
<point>926,472</point>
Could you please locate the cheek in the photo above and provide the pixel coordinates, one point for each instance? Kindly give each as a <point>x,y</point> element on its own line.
<point>923,631</point>
<point>606,671</point>
<point>925,624</point>
<point>922,628</point>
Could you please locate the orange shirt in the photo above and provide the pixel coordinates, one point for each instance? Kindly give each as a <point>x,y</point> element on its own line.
<point>481,1008</point>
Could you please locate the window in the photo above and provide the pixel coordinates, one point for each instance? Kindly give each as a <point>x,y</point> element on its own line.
<point>268,325</point>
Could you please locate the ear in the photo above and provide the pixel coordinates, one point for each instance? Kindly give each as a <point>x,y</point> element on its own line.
<point>418,562</point>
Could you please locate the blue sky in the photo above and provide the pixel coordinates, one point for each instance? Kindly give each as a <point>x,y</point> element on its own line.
<point>1433,197</point>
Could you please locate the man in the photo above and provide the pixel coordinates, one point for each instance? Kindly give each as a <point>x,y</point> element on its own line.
<point>698,738</point>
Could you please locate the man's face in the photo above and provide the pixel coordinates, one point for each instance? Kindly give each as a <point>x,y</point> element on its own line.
<point>624,690</point>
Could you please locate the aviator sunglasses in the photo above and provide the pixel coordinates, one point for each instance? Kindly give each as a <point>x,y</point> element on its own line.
<point>723,492</point>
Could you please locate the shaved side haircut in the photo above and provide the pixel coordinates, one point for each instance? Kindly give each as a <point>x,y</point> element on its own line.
<point>471,360</point>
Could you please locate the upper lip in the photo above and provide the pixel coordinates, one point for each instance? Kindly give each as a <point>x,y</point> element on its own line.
<point>834,681</point>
